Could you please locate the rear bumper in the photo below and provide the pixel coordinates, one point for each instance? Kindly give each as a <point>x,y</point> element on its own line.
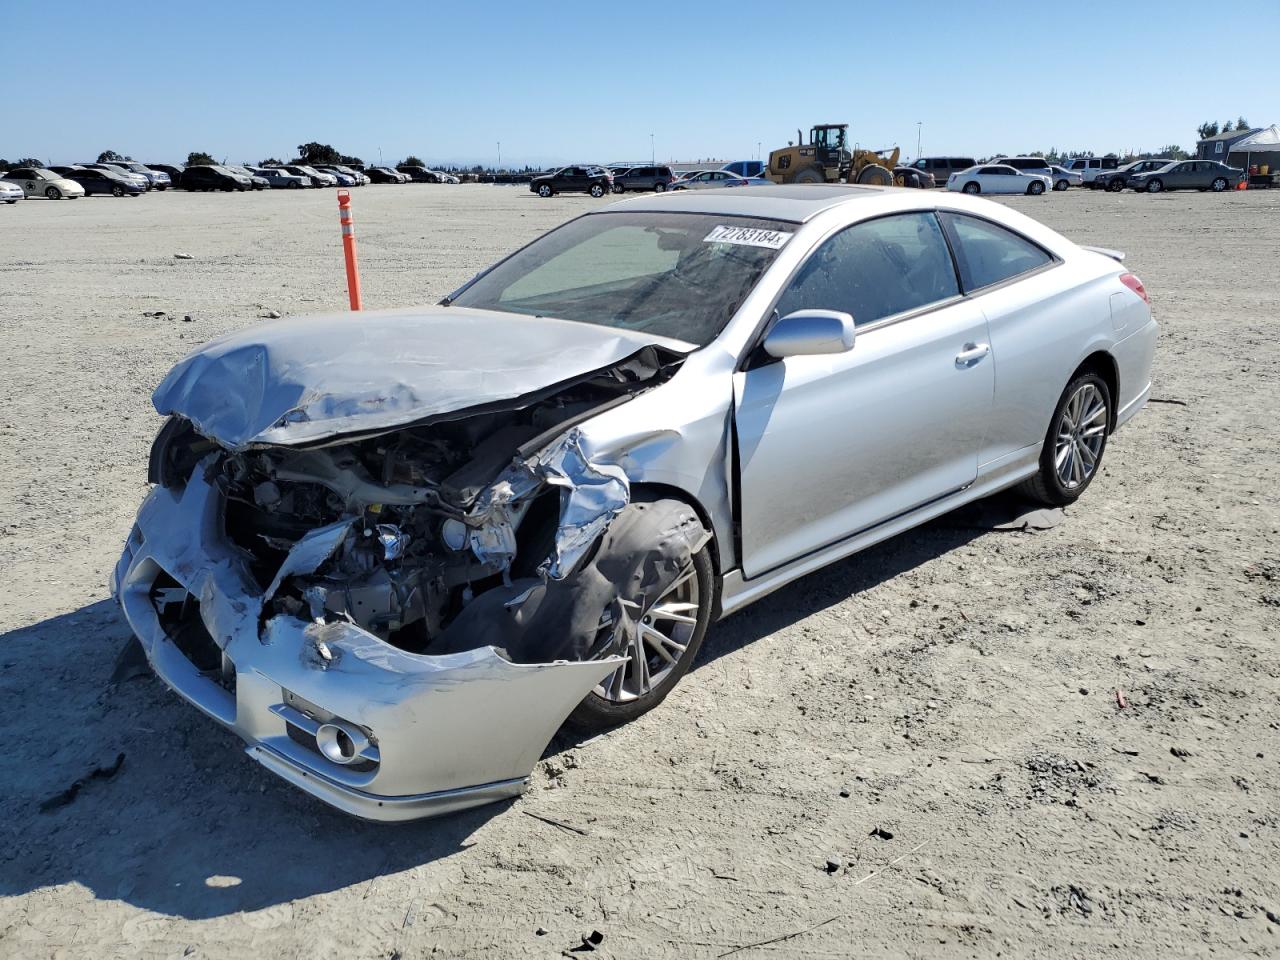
<point>444,732</point>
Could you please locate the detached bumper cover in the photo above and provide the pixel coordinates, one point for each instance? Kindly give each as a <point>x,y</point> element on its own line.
<point>444,732</point>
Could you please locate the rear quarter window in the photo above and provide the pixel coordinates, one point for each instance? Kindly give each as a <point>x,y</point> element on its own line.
<point>988,253</point>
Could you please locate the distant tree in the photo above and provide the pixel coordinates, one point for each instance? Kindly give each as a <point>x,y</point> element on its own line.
<point>271,162</point>
<point>1227,127</point>
<point>110,156</point>
<point>1243,124</point>
<point>323,153</point>
<point>198,159</point>
<point>412,161</point>
<point>29,162</point>
<point>1207,129</point>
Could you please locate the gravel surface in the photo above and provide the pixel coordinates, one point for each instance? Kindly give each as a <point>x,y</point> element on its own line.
<point>918,751</point>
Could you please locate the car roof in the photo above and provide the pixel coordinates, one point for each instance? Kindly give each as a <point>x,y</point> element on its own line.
<point>794,202</point>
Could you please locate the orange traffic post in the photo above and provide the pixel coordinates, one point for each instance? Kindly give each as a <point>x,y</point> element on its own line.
<point>349,247</point>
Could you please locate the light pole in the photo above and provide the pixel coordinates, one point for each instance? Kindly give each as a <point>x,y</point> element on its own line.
<point>499,154</point>
<point>653,156</point>
<point>757,149</point>
<point>919,124</point>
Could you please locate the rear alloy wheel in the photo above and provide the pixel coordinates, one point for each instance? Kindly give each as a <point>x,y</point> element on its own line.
<point>117,191</point>
<point>1061,185</point>
<point>544,190</point>
<point>972,188</point>
<point>1074,445</point>
<point>1219,185</point>
<point>659,652</point>
<point>597,190</point>
<point>1035,188</point>
<point>53,193</point>
<point>659,187</point>
<point>1155,186</point>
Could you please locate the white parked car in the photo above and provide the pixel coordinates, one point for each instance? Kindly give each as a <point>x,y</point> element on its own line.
<point>1064,178</point>
<point>10,192</point>
<point>998,178</point>
<point>39,182</point>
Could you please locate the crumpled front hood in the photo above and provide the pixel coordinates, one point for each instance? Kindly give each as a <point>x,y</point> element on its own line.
<point>305,379</point>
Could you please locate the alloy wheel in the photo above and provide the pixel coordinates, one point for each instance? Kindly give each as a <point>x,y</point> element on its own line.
<point>660,638</point>
<point>1082,430</point>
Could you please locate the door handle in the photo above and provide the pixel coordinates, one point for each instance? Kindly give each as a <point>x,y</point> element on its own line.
<point>971,354</point>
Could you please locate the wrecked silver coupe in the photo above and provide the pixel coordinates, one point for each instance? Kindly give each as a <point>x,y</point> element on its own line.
<point>395,551</point>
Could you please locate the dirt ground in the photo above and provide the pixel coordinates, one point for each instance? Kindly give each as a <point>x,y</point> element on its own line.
<point>917,752</point>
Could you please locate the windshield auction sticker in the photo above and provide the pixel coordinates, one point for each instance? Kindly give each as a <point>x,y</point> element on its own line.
<point>748,237</point>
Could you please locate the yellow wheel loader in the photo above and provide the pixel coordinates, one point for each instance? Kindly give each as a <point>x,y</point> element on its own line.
<point>826,158</point>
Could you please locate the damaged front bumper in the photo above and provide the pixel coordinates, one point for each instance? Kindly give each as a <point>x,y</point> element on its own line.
<point>369,728</point>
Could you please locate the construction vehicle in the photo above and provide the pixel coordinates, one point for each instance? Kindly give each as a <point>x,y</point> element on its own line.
<point>826,158</point>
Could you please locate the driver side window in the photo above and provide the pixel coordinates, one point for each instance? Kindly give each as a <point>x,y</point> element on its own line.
<point>875,270</point>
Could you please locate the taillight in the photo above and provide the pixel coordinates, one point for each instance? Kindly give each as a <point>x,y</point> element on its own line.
<point>1134,284</point>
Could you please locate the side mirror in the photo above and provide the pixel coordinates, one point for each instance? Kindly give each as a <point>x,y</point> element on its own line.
<point>810,332</point>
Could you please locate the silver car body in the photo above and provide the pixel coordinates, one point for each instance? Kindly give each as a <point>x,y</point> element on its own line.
<point>10,192</point>
<point>1063,178</point>
<point>790,465</point>
<point>280,179</point>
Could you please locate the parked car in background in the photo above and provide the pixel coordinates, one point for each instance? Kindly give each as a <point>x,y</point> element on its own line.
<point>214,177</point>
<point>174,171</point>
<point>706,179</point>
<point>256,180</point>
<point>318,178</point>
<point>913,177</point>
<point>144,182</point>
<point>1037,165</point>
<point>10,192</point>
<point>40,182</point>
<point>100,181</point>
<point>385,175</point>
<point>159,179</point>
<point>594,180</point>
<point>347,176</point>
<point>1188,175</point>
<point>344,179</point>
<point>1090,168</point>
<point>999,178</point>
<point>1064,178</point>
<point>941,168</point>
<point>417,174</point>
<point>1115,180</point>
<point>657,178</point>
<point>280,179</point>
<point>746,168</point>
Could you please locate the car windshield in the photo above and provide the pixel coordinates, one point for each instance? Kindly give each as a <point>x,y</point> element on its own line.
<point>675,275</point>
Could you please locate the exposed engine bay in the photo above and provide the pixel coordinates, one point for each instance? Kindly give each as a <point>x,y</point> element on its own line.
<point>502,505</point>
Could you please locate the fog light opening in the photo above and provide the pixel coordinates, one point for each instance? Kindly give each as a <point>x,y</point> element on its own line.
<point>340,743</point>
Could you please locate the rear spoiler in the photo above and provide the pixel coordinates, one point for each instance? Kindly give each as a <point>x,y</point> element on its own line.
<point>1116,255</point>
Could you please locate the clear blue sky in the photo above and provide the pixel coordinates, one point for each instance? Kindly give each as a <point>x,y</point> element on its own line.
<point>244,81</point>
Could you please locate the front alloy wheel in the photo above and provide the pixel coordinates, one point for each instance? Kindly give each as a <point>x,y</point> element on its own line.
<point>1219,185</point>
<point>544,190</point>
<point>659,651</point>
